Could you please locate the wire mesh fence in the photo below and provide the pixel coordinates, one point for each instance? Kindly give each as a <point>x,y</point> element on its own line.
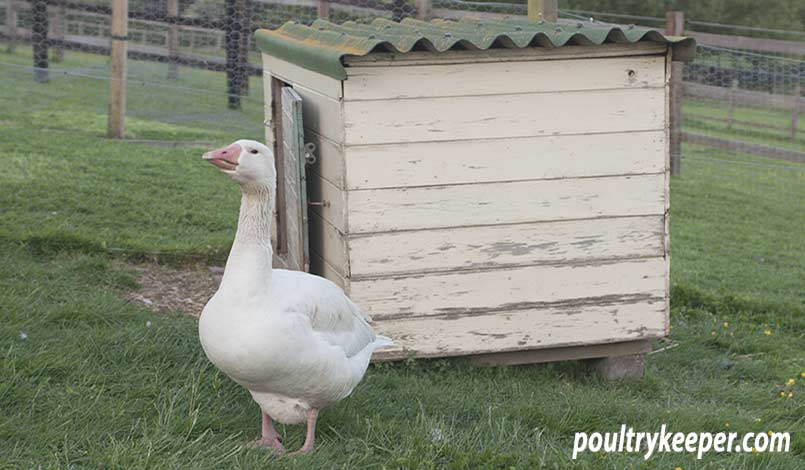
<point>740,186</point>
<point>743,93</point>
<point>185,57</point>
<point>194,74</point>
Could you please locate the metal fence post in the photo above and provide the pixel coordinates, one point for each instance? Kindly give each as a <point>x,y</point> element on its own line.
<point>245,10</point>
<point>117,74</point>
<point>398,10</point>
<point>675,26</point>
<point>232,45</point>
<point>39,38</point>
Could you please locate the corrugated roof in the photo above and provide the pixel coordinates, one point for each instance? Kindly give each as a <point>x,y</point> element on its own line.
<point>322,46</point>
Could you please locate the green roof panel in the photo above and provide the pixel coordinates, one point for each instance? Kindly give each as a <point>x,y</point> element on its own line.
<point>322,46</point>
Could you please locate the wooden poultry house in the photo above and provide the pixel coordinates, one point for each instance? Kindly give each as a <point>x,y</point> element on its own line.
<point>494,189</point>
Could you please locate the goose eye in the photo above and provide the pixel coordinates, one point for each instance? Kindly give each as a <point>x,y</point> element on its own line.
<point>253,151</point>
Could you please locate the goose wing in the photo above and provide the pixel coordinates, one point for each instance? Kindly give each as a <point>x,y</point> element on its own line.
<point>333,316</point>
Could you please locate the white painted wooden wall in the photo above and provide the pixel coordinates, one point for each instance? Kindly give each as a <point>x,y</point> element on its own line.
<point>487,206</point>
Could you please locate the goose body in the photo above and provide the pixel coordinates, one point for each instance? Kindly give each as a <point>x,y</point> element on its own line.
<point>307,349</point>
<point>295,341</point>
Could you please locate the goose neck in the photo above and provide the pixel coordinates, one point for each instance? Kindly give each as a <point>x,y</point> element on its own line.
<point>248,268</point>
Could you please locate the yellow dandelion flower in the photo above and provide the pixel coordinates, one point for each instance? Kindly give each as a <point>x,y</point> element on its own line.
<point>726,324</point>
<point>790,394</point>
<point>713,333</point>
<point>802,375</point>
<point>727,424</point>
<point>678,468</point>
<point>767,332</point>
<point>791,381</point>
<point>732,334</point>
<point>782,394</point>
<point>754,451</point>
<point>770,433</point>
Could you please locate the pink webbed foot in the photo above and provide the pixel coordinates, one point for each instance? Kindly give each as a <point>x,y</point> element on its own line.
<point>307,447</point>
<point>271,444</point>
<point>269,439</point>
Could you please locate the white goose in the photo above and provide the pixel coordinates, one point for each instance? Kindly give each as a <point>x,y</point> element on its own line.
<point>294,340</point>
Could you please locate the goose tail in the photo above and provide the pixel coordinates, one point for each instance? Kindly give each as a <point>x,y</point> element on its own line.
<point>382,342</point>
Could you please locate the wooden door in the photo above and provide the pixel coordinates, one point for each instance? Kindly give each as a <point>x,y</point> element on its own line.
<point>291,244</point>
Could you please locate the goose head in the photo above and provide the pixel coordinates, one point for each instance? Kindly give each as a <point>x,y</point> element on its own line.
<point>247,162</point>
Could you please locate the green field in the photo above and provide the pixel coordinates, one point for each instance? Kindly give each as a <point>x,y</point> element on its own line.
<point>95,385</point>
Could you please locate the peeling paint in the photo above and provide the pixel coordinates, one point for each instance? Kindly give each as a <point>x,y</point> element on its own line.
<point>491,335</point>
<point>515,248</point>
<point>572,307</point>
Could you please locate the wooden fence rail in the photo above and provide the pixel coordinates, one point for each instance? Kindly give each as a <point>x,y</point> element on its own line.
<point>775,46</point>
<point>735,97</point>
<point>740,146</point>
<point>145,26</point>
<point>744,97</point>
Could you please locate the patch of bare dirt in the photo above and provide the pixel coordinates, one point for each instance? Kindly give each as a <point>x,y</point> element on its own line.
<point>167,289</point>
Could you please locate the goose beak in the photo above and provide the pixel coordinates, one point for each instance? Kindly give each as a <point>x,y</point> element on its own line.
<point>225,158</point>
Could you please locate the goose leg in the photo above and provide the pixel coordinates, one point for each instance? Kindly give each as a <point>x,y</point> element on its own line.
<point>269,436</point>
<point>312,415</point>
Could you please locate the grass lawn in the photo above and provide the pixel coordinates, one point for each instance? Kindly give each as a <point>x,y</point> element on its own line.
<point>97,382</point>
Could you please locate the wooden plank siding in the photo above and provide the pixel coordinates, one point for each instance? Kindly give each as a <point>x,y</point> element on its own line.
<point>323,115</point>
<point>503,116</point>
<point>546,327</point>
<point>384,210</point>
<point>333,201</point>
<point>491,290</point>
<point>329,158</point>
<point>322,268</point>
<point>574,241</point>
<point>329,243</point>
<point>292,73</point>
<point>500,160</point>
<point>379,83</point>
<point>480,222</point>
<point>669,109</point>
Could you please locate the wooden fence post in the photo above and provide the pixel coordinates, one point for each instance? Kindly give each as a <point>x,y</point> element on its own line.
<point>423,8</point>
<point>57,28</point>
<point>795,109</point>
<point>232,46</point>
<point>675,26</point>
<point>547,10</point>
<point>323,9</point>
<point>39,38</point>
<point>731,103</point>
<point>11,25</point>
<point>172,10</point>
<point>117,74</point>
